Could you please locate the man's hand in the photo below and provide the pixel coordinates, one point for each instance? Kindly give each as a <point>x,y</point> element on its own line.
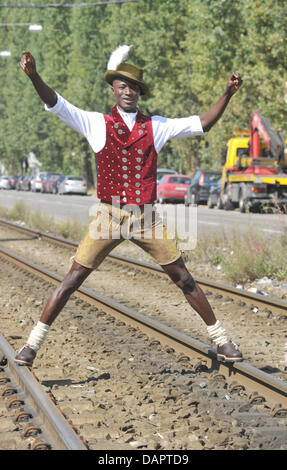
<point>209,118</point>
<point>233,84</point>
<point>28,64</point>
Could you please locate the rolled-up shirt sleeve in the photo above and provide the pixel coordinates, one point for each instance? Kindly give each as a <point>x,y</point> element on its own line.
<point>165,129</point>
<point>90,124</point>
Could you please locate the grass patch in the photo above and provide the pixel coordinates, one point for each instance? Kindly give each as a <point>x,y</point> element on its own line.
<point>242,258</point>
<point>19,213</point>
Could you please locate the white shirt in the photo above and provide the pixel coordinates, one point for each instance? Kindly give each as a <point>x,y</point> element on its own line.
<point>92,125</point>
<point>129,118</point>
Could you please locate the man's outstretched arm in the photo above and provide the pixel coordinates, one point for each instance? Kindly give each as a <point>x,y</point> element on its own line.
<point>209,118</point>
<point>28,65</point>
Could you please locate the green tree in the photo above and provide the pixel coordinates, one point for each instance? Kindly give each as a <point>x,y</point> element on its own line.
<point>187,50</point>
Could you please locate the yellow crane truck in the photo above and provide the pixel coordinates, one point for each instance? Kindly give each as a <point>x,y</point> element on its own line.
<point>254,174</point>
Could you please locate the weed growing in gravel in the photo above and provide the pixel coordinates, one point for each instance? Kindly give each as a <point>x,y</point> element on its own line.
<point>242,258</point>
<point>19,213</point>
<point>72,229</point>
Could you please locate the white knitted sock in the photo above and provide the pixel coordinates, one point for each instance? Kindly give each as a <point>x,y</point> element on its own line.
<point>38,335</point>
<point>218,333</point>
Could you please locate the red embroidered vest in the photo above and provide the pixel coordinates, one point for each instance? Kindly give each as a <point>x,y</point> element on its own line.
<point>127,164</point>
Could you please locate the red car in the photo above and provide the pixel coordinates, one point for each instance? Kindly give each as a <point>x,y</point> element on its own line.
<point>172,188</point>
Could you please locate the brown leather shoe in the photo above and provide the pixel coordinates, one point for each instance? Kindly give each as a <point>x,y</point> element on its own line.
<point>25,356</point>
<point>229,352</point>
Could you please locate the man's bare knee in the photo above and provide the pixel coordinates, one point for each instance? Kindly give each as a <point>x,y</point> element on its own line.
<point>180,275</point>
<point>186,283</point>
<point>66,288</point>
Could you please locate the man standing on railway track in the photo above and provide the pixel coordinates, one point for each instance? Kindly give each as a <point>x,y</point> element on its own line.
<point>126,144</point>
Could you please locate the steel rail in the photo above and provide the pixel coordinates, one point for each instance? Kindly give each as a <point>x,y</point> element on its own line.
<point>57,431</point>
<point>256,300</point>
<point>254,379</point>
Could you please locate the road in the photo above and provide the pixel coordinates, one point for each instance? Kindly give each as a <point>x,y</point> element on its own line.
<point>208,220</point>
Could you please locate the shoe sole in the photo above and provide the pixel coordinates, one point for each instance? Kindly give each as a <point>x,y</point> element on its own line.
<point>23,363</point>
<point>221,358</point>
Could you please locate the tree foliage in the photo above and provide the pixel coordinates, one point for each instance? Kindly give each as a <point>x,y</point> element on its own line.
<point>187,50</point>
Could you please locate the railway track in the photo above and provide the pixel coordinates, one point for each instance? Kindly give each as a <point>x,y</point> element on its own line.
<point>254,387</point>
<point>254,379</point>
<point>258,386</point>
<point>33,411</point>
<point>253,299</point>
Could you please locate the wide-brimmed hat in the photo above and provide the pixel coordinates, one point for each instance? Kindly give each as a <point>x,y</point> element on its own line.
<point>129,72</point>
<point>119,68</point>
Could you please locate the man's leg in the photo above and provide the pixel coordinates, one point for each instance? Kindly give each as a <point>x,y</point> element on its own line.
<point>154,239</point>
<point>55,304</point>
<point>72,281</point>
<point>90,253</point>
<point>179,274</point>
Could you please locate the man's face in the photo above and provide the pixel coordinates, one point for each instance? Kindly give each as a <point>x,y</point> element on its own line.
<point>126,94</point>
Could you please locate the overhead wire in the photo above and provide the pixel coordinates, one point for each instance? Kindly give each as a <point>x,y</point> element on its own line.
<point>65,5</point>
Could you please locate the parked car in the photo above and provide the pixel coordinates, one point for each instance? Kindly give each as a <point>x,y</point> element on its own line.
<point>13,181</point>
<point>19,183</point>
<point>4,182</point>
<point>73,184</point>
<point>26,183</point>
<point>51,180</point>
<point>55,183</point>
<point>45,184</point>
<point>198,190</point>
<point>36,183</point>
<point>160,172</point>
<point>172,188</point>
<point>46,181</point>
<point>214,195</point>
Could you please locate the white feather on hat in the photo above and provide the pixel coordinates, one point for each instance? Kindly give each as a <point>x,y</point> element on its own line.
<point>118,56</point>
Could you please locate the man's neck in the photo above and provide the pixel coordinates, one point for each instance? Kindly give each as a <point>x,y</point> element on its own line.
<point>128,117</point>
<point>125,111</point>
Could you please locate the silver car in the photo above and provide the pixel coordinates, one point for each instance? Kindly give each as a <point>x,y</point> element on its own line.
<point>73,185</point>
<point>4,182</point>
<point>37,181</point>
